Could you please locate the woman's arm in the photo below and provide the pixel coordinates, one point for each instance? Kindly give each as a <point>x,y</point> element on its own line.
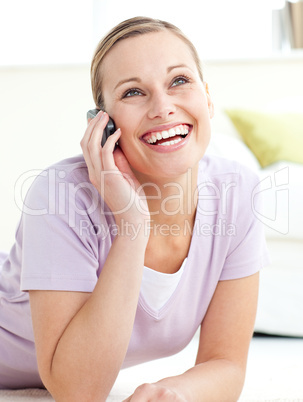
<point>225,336</point>
<point>81,339</point>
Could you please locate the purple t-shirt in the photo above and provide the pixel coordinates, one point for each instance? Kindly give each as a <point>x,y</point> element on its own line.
<point>65,234</point>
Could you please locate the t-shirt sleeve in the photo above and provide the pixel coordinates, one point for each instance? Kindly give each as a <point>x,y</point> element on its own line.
<point>248,252</point>
<point>59,251</point>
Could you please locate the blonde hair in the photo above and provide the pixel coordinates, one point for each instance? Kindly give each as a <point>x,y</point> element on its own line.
<point>127,29</point>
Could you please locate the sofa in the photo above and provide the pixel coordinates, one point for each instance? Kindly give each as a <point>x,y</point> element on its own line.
<point>280,307</point>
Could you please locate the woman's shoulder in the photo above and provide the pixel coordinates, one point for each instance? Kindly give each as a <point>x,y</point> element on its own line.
<point>214,168</point>
<point>69,167</point>
<point>59,178</point>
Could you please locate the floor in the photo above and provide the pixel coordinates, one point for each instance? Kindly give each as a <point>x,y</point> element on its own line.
<point>275,370</point>
<point>275,373</point>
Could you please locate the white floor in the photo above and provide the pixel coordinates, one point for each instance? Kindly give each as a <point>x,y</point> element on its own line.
<point>275,373</point>
<point>275,370</point>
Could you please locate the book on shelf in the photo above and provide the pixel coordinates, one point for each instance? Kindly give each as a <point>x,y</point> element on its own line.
<point>287,26</point>
<point>296,16</point>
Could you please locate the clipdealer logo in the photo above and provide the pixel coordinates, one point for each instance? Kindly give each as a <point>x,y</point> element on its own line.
<point>61,198</point>
<point>274,211</point>
<point>60,195</point>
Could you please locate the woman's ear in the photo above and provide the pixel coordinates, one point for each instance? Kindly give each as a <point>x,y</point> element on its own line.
<point>209,101</point>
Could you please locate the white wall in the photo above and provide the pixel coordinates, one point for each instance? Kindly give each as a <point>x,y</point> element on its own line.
<point>256,84</point>
<point>43,113</point>
<point>43,118</point>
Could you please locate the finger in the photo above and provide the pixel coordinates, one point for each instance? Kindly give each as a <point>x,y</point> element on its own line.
<point>94,142</point>
<point>87,135</point>
<point>92,160</point>
<point>123,165</point>
<point>108,149</point>
<point>90,127</point>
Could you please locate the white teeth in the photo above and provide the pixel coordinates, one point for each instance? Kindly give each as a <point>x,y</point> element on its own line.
<point>172,132</point>
<point>171,142</point>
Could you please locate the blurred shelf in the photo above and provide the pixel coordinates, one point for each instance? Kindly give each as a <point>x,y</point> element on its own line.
<point>294,55</point>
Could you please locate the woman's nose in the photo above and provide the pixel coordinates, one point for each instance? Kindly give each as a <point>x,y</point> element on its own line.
<point>161,106</point>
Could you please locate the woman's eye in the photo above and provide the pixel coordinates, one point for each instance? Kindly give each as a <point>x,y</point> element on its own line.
<point>179,81</point>
<point>131,92</point>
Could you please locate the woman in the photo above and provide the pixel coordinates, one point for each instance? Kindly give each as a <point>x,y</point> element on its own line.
<point>124,255</point>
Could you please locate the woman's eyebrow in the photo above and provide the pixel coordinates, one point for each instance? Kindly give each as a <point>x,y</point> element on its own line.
<point>137,79</point>
<point>127,80</point>
<point>169,69</point>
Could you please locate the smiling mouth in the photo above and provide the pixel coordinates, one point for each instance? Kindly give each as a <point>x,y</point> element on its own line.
<point>167,137</point>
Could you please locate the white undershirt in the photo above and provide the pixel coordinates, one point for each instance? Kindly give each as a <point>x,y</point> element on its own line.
<point>157,287</point>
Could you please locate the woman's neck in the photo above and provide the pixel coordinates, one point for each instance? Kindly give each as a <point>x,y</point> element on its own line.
<point>171,201</point>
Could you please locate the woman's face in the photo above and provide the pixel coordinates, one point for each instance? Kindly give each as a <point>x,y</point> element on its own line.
<point>153,92</point>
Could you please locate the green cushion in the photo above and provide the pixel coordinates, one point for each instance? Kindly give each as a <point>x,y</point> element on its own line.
<point>270,136</point>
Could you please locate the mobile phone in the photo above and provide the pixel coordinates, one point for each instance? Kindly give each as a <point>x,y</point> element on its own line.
<point>109,129</point>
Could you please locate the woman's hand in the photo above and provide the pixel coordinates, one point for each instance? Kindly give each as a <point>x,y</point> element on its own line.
<point>156,392</point>
<point>111,174</point>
